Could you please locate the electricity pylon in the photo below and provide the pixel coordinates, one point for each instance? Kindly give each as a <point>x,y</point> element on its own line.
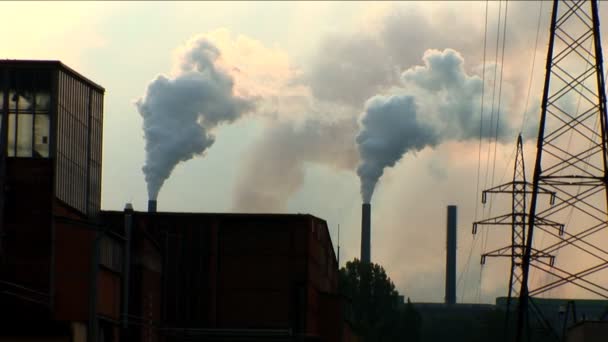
<point>517,219</point>
<point>570,160</point>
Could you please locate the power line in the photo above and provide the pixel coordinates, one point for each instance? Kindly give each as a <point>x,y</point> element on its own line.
<point>493,89</point>
<point>464,273</point>
<point>502,67</point>
<point>485,235</point>
<point>525,116</point>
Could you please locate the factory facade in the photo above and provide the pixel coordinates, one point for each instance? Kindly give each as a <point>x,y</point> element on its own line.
<point>72,272</point>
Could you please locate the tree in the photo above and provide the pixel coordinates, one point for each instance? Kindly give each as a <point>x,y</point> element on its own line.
<point>378,311</point>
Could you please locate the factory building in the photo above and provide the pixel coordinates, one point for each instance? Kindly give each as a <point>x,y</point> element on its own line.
<point>50,176</point>
<point>242,276</point>
<point>72,272</point>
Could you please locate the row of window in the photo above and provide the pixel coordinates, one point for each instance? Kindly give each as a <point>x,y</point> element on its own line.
<point>28,103</point>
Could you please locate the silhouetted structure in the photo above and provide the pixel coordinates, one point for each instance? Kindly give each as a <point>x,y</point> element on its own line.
<point>571,157</point>
<point>50,176</point>
<point>450,262</point>
<point>519,189</point>
<point>244,274</point>
<point>366,233</point>
<point>71,272</point>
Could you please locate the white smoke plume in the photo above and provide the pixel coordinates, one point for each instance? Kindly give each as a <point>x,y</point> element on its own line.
<point>180,113</point>
<point>437,102</point>
<point>390,128</point>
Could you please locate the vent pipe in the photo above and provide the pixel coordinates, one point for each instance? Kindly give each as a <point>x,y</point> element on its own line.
<point>450,263</point>
<point>128,213</point>
<point>151,206</point>
<point>365,233</point>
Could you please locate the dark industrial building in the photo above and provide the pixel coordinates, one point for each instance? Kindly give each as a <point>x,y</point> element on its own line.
<point>71,272</point>
<point>50,167</point>
<point>239,275</point>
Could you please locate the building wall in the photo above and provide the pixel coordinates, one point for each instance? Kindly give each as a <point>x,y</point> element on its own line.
<point>72,270</point>
<point>50,164</point>
<point>79,143</point>
<point>26,257</point>
<point>255,271</point>
<point>241,271</point>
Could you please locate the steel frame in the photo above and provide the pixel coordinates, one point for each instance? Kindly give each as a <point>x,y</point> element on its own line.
<point>518,188</point>
<point>571,156</point>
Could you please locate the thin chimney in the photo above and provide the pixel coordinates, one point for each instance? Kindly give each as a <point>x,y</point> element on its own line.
<point>450,262</point>
<point>365,233</point>
<point>151,206</point>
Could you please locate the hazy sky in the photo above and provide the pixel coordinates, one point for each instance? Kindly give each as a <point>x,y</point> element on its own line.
<point>313,66</point>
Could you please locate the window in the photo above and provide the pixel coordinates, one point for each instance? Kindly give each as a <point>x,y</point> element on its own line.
<point>110,253</point>
<point>12,118</point>
<point>25,127</point>
<point>42,126</point>
<point>29,112</point>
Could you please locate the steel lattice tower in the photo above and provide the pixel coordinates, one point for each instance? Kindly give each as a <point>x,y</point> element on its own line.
<point>570,161</point>
<point>517,219</point>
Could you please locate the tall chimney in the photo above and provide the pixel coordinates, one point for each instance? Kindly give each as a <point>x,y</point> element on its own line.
<point>365,233</point>
<point>450,261</point>
<point>151,206</point>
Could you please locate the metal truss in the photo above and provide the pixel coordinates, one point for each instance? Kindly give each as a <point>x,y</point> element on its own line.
<point>518,189</point>
<point>570,162</point>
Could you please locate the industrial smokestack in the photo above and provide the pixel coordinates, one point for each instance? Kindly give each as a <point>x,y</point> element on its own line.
<point>450,262</point>
<point>151,206</point>
<point>365,233</point>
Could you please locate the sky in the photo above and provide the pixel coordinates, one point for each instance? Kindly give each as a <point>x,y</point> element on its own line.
<point>300,78</point>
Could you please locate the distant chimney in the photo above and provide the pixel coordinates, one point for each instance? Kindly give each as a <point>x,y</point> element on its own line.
<point>365,233</point>
<point>126,264</point>
<point>450,262</point>
<point>151,206</point>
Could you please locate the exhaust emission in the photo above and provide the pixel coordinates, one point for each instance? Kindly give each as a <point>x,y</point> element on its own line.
<point>151,206</point>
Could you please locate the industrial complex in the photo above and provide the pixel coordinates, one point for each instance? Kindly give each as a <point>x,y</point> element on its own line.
<point>78,273</point>
<point>72,272</point>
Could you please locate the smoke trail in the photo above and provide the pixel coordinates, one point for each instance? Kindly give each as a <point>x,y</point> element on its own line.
<point>180,113</point>
<point>437,102</point>
<point>390,128</point>
<point>276,163</point>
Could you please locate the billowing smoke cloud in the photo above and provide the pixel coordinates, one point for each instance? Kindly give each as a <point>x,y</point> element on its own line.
<point>438,102</point>
<point>390,128</point>
<point>274,169</point>
<point>180,113</point>
<point>350,67</point>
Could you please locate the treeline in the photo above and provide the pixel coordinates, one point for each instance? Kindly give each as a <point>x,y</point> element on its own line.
<point>378,312</point>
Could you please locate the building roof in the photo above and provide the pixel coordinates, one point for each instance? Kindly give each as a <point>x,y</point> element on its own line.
<point>50,63</point>
<point>207,214</point>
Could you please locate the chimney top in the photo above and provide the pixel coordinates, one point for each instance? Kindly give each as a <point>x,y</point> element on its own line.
<point>151,206</point>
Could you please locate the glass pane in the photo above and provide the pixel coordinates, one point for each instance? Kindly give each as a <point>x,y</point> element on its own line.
<point>11,134</point>
<point>25,124</point>
<point>25,102</point>
<point>1,100</point>
<point>43,102</point>
<point>12,100</point>
<point>41,136</point>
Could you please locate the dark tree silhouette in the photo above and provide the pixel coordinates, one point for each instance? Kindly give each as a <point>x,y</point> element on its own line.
<point>378,312</point>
